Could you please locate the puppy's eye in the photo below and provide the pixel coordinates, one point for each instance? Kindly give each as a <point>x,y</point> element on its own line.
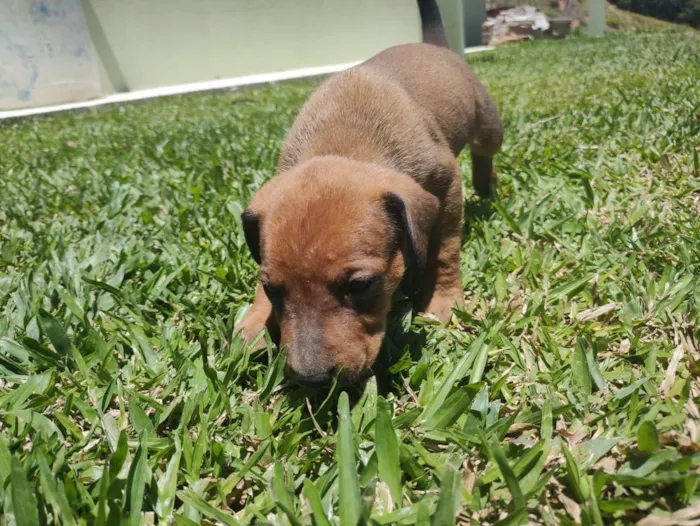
<point>274,293</point>
<point>362,284</point>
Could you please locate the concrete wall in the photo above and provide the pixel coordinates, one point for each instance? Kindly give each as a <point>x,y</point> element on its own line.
<point>74,50</point>
<point>151,43</point>
<point>46,56</point>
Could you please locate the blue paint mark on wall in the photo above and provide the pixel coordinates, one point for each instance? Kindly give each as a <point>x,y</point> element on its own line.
<point>29,75</point>
<point>43,10</point>
<point>45,53</point>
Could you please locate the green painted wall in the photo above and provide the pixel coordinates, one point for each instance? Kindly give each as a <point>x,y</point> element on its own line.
<point>452,18</point>
<point>474,16</point>
<point>152,43</point>
<point>596,18</point>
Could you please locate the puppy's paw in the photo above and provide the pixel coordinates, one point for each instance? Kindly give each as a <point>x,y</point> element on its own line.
<point>251,328</point>
<point>441,305</point>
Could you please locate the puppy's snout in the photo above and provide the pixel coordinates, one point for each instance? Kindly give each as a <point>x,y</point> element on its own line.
<point>309,372</point>
<point>308,361</point>
<point>314,379</point>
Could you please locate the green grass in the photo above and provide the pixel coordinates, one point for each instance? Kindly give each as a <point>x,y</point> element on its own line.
<point>566,391</point>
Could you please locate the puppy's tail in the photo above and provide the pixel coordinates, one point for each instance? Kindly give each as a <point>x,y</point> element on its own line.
<point>431,23</point>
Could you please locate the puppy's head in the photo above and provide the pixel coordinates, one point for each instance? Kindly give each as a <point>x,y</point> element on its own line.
<point>333,238</point>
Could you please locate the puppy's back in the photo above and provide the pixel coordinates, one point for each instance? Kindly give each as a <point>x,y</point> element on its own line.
<point>391,108</point>
<point>440,82</point>
<point>366,115</point>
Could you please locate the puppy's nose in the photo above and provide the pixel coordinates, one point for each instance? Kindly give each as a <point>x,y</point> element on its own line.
<point>314,379</point>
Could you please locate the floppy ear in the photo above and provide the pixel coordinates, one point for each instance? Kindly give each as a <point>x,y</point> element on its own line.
<point>415,212</point>
<point>251,231</point>
<point>254,216</point>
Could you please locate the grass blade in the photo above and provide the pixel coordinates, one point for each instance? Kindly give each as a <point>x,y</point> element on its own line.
<point>54,491</point>
<point>118,458</point>
<point>56,333</point>
<point>23,500</point>
<point>457,373</point>
<point>573,475</point>
<point>579,368</point>
<point>136,484</point>
<point>103,496</point>
<point>479,364</point>
<point>455,406</point>
<point>233,481</point>
<point>387,447</point>
<point>546,427</point>
<point>647,437</point>
<point>448,503</point>
<point>350,501</point>
<point>626,391</point>
<point>314,498</point>
<point>167,486</point>
<point>281,495</point>
<point>499,457</point>
<point>5,461</point>
<point>194,500</point>
<point>528,481</point>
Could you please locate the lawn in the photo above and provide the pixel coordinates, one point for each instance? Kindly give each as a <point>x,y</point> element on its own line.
<point>566,392</point>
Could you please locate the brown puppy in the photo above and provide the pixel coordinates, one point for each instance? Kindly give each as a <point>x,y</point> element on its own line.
<point>369,196</point>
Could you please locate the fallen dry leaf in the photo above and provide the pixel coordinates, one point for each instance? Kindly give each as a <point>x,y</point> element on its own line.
<point>607,464</point>
<point>571,506</point>
<point>691,344</point>
<point>681,441</point>
<point>572,439</point>
<point>691,426</point>
<point>624,347</point>
<point>521,426</point>
<point>672,368</point>
<point>468,477</point>
<point>595,313</point>
<point>382,498</point>
<point>689,516</point>
<point>525,441</point>
<point>515,302</point>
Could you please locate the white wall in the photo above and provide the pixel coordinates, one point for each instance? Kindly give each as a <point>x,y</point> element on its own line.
<point>55,51</point>
<point>152,43</point>
<point>46,55</point>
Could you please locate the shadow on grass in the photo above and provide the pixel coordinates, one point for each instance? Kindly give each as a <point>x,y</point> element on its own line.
<point>403,345</point>
<point>475,210</point>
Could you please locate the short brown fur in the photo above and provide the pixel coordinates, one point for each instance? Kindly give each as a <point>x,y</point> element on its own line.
<point>368,186</point>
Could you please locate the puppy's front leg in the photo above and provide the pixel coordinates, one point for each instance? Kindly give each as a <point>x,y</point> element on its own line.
<point>258,318</point>
<point>442,284</point>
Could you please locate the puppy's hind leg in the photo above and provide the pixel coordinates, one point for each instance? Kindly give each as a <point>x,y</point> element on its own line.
<point>484,178</point>
<point>486,141</point>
